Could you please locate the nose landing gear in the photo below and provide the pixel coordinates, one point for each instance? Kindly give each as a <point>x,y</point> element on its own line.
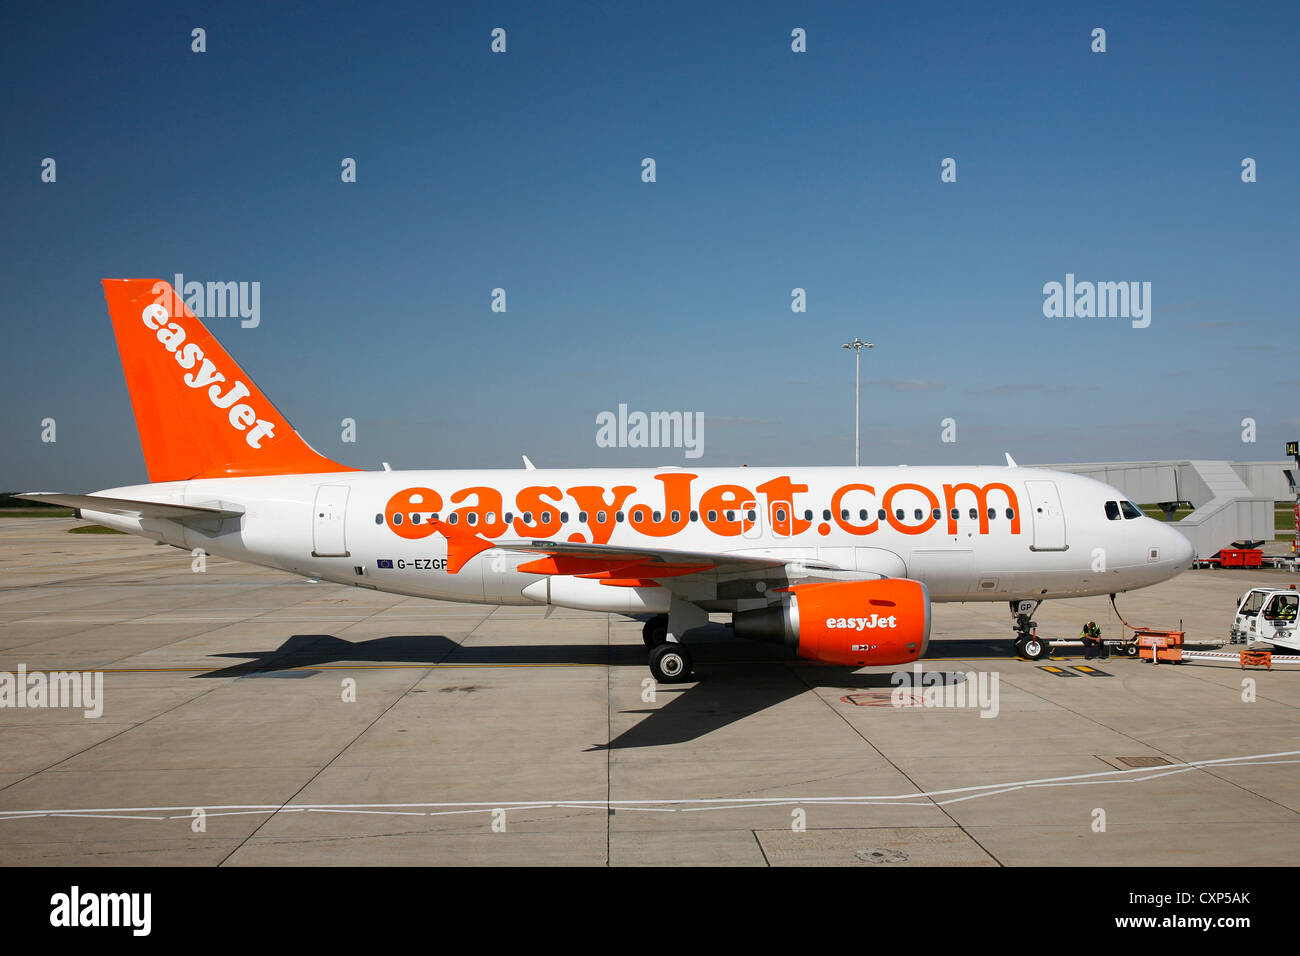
<point>1028,643</point>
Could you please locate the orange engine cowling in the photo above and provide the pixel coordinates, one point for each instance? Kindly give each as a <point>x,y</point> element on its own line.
<point>846,622</point>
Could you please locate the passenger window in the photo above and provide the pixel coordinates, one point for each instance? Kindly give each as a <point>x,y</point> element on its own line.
<point>882,515</point>
<point>600,517</point>
<point>1011,512</point>
<point>826,514</point>
<point>844,514</point>
<point>974,514</point>
<point>713,516</point>
<point>675,517</point>
<point>379,519</point>
<point>807,515</point>
<point>472,518</point>
<point>510,517</point>
<point>434,517</point>
<point>899,514</point>
<point>658,516</point>
<point>731,516</point>
<point>638,515</point>
<point>564,517</point>
<point>862,515</point>
<point>528,517</point>
<point>695,516</point>
<point>397,518</point>
<point>993,513</point>
<point>936,514</point>
<point>454,518</point>
<point>780,514</point>
<point>415,517</point>
<point>618,516</point>
<point>751,515</point>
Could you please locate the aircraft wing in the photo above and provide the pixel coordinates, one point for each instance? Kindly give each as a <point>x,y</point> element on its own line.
<point>619,562</point>
<point>129,506</point>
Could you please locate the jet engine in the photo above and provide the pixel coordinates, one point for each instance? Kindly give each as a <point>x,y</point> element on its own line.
<point>854,623</point>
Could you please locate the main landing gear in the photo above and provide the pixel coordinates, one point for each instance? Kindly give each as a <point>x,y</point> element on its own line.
<point>670,661</point>
<point>1028,643</point>
<point>655,631</point>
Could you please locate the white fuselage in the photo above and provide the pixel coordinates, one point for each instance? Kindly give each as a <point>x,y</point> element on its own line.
<point>1034,534</point>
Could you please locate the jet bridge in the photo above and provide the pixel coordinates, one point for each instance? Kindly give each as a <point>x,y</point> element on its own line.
<point>1226,508</point>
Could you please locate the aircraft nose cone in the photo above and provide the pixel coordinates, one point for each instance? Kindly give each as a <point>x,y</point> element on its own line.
<point>1177,550</point>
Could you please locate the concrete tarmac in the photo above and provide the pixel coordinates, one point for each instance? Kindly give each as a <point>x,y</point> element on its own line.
<point>251,718</point>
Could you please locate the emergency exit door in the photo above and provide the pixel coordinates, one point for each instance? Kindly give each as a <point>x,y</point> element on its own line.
<point>328,520</point>
<point>1049,518</point>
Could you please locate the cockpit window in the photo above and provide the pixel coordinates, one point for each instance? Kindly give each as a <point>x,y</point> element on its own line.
<point>1130,510</point>
<point>1112,510</point>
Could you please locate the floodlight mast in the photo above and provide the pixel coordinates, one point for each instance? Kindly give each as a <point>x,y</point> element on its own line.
<point>857,345</point>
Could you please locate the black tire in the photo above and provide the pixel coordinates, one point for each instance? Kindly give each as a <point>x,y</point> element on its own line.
<point>1131,650</point>
<point>655,631</point>
<point>1035,648</point>
<point>670,663</point>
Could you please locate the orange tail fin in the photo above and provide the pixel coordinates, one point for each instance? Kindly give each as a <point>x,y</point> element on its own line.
<point>199,414</point>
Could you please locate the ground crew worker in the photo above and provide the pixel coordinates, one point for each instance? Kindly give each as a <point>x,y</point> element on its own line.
<point>1092,642</point>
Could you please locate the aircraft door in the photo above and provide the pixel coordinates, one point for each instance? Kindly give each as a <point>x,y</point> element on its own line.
<point>1049,518</point>
<point>328,520</point>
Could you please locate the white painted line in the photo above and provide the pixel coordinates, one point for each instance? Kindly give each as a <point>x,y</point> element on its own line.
<point>1135,775</point>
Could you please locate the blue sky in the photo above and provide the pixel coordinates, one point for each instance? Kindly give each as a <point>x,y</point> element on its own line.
<point>775,170</point>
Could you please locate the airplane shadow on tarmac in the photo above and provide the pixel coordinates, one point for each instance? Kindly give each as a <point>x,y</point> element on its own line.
<point>736,679</point>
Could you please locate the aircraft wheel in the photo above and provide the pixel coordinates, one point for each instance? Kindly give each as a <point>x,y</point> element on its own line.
<point>655,631</point>
<point>670,663</point>
<point>1034,649</point>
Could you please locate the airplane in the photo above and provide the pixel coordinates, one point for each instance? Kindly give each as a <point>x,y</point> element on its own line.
<point>841,565</point>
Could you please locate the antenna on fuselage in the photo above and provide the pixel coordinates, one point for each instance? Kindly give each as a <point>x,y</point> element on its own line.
<point>1011,462</point>
<point>528,465</point>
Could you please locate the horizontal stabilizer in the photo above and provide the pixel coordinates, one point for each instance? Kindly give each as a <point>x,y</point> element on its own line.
<point>128,506</point>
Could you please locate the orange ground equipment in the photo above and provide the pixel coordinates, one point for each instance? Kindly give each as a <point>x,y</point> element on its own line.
<point>1257,659</point>
<point>1155,644</point>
